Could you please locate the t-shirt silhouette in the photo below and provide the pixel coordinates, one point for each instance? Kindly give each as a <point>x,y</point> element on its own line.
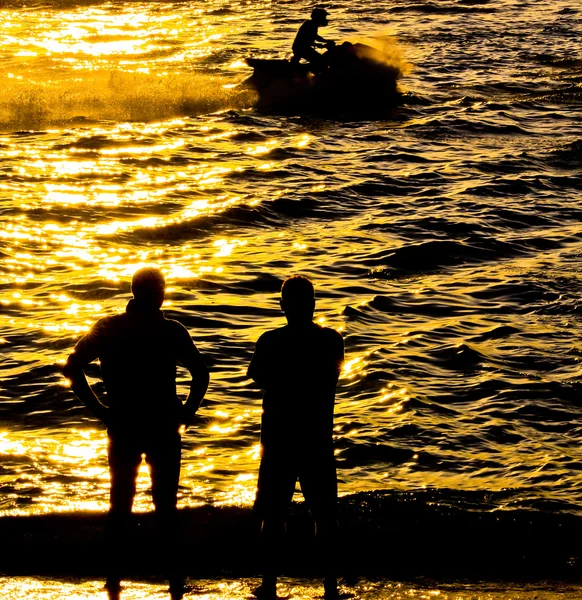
<point>298,367</point>
<point>138,351</point>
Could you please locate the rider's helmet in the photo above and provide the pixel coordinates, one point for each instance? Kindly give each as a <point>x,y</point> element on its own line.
<point>319,15</point>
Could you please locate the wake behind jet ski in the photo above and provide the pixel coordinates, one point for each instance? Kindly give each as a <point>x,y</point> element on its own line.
<point>347,77</point>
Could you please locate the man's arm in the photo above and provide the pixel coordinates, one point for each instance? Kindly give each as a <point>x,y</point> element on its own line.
<point>192,360</point>
<point>258,369</point>
<point>198,386</point>
<point>84,353</point>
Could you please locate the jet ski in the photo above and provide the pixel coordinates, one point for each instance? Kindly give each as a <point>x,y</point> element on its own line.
<point>351,77</point>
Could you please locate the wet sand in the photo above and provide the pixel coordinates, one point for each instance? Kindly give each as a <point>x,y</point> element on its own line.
<point>37,588</point>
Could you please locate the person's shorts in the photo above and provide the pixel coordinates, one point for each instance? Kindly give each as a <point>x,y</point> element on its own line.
<point>278,475</point>
<point>162,454</point>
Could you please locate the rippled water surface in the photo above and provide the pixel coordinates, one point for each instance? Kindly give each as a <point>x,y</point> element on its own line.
<point>444,238</point>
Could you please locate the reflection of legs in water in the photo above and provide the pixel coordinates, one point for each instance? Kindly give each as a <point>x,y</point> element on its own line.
<point>124,461</point>
<point>164,462</point>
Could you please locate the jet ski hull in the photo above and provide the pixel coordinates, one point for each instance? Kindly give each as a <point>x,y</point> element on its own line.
<point>355,77</point>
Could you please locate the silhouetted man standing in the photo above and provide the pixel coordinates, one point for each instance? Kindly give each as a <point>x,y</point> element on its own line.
<point>139,350</point>
<point>298,366</point>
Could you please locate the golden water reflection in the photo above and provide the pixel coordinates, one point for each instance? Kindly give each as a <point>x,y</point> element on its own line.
<point>110,171</point>
<point>69,472</point>
<point>355,366</point>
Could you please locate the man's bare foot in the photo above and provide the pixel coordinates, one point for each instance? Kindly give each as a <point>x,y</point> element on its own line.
<point>177,588</point>
<point>331,591</point>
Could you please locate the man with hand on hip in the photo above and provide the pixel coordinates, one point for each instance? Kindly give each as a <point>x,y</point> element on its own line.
<point>138,351</point>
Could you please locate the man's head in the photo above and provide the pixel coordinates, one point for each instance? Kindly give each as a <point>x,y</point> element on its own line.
<point>298,299</point>
<point>148,287</point>
<point>319,16</point>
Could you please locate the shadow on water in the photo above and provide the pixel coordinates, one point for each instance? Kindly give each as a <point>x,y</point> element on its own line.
<point>389,534</point>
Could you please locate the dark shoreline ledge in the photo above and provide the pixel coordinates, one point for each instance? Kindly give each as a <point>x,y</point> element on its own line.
<point>381,536</point>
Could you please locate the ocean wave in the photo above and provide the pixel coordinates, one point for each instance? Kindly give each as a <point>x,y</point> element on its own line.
<point>428,307</point>
<point>451,8</point>
<point>475,539</point>
<point>501,331</point>
<point>100,142</point>
<point>195,228</point>
<point>567,156</point>
<point>437,254</point>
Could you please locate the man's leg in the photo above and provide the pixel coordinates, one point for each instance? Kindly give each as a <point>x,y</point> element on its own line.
<point>124,460</point>
<point>316,60</point>
<point>318,481</point>
<point>164,461</point>
<point>326,533</point>
<point>275,489</point>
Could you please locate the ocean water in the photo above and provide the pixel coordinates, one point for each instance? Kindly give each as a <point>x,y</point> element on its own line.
<point>444,239</point>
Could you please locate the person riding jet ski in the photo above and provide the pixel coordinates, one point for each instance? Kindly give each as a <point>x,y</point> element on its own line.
<point>308,39</point>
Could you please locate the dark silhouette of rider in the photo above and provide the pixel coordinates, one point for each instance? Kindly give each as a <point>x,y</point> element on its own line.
<point>308,39</point>
<point>138,351</point>
<point>298,366</point>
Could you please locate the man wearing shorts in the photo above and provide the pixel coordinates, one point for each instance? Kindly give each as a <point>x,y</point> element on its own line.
<point>138,351</point>
<point>298,366</point>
